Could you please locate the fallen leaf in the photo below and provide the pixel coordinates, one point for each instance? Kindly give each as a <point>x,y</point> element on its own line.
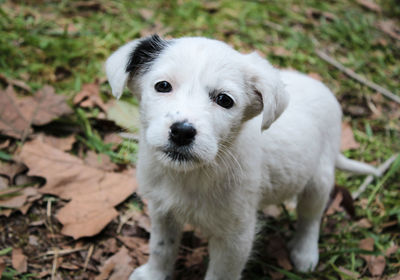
<point>390,28</point>
<point>5,144</point>
<point>370,5</point>
<point>15,82</point>
<point>106,271</point>
<point>19,197</point>
<point>93,192</point>
<point>10,170</point>
<point>335,206</point>
<point>12,122</point>
<point>376,265</point>
<point>19,261</point>
<point>18,114</point>
<point>277,249</point>
<point>313,14</point>
<point>62,143</point>
<point>344,201</point>
<point>315,76</point>
<point>124,114</point>
<point>4,183</point>
<point>117,267</point>
<point>2,266</point>
<point>391,250</point>
<point>196,257</point>
<point>100,161</point>
<point>364,223</point>
<point>44,106</point>
<point>347,141</point>
<point>89,96</point>
<point>139,246</point>
<point>146,14</point>
<point>110,245</point>
<point>367,244</point>
<point>280,51</point>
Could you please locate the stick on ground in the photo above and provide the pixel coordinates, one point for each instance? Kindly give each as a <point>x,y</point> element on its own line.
<point>382,168</point>
<point>357,77</point>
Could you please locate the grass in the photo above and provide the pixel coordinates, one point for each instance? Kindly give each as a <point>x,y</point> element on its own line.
<point>65,44</point>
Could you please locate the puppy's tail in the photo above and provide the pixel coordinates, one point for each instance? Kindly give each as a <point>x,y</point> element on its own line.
<point>354,166</point>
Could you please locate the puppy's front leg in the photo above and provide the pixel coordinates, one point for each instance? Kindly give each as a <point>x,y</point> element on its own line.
<point>229,252</point>
<point>164,244</point>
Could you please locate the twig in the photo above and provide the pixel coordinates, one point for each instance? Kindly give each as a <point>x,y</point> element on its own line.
<point>382,169</point>
<point>89,255</point>
<point>54,267</point>
<point>62,252</point>
<point>357,77</point>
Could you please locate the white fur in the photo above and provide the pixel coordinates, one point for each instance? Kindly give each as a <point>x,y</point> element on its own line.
<point>239,167</point>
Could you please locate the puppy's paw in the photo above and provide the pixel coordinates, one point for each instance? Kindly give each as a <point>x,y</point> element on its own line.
<point>145,272</point>
<point>304,258</point>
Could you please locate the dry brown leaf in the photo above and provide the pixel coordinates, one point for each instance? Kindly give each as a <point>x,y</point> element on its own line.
<point>370,5</point>
<point>196,257</point>
<point>19,261</point>
<point>390,28</point>
<point>367,244</point>
<point>100,161</point>
<point>120,264</point>
<point>93,192</point>
<point>5,144</point>
<point>146,14</point>
<point>11,170</point>
<point>18,114</point>
<point>22,195</point>
<point>5,212</point>
<point>335,205</point>
<point>61,143</point>
<point>364,223</point>
<point>106,271</point>
<point>15,82</point>
<point>12,122</point>
<point>277,249</point>
<point>315,76</point>
<point>89,96</point>
<point>376,265</point>
<point>280,51</point>
<point>4,183</point>
<point>347,141</point>
<point>2,265</point>
<point>391,250</point>
<point>313,14</point>
<point>396,277</point>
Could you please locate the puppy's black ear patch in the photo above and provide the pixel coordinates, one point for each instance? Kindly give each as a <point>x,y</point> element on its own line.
<point>144,54</point>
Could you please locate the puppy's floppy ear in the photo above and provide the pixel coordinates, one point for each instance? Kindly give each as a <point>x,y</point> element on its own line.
<point>131,60</point>
<point>116,68</point>
<point>265,84</point>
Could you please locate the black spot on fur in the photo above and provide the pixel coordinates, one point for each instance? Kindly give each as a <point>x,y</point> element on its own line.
<point>144,54</point>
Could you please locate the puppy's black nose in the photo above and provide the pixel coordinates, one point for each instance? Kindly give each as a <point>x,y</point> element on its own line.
<point>182,133</point>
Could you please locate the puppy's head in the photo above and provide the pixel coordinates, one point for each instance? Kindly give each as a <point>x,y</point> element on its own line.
<point>195,94</point>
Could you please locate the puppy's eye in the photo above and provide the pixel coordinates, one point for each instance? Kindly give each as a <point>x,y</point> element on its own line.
<point>224,100</point>
<point>163,86</point>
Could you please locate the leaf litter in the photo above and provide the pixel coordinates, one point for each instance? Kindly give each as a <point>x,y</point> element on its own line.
<point>17,115</point>
<point>92,192</point>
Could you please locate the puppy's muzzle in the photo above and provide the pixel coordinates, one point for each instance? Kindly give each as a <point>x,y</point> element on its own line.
<point>182,133</point>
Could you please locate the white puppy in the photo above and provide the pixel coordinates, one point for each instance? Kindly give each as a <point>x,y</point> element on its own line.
<point>222,135</point>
